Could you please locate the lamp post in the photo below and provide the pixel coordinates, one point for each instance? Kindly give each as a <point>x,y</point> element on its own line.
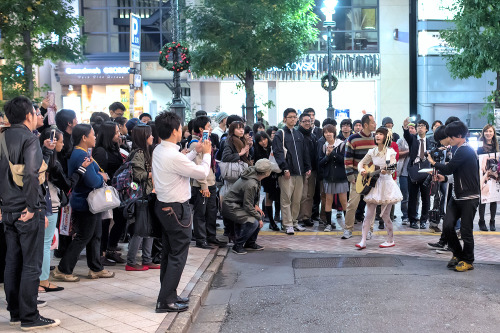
<point>177,105</point>
<point>329,9</point>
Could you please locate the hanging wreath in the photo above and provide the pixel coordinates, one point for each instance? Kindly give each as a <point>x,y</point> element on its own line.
<point>175,57</point>
<point>324,82</point>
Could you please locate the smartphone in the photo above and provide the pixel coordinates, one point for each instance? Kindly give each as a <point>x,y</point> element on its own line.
<point>413,118</point>
<point>51,96</point>
<point>251,134</point>
<point>89,153</point>
<point>52,135</point>
<point>205,135</point>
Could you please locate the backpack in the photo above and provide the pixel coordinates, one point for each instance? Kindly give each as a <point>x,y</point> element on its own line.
<point>123,182</point>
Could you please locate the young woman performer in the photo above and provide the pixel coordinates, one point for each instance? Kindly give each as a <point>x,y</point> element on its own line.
<point>386,192</point>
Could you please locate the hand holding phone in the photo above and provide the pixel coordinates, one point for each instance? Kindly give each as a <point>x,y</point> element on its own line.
<point>205,135</point>
<point>52,135</point>
<point>89,153</point>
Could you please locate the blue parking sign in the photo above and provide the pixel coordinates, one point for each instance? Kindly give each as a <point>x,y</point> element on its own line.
<point>135,38</point>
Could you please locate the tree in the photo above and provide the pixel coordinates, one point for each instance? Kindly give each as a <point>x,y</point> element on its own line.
<point>32,32</point>
<point>475,40</point>
<point>243,38</point>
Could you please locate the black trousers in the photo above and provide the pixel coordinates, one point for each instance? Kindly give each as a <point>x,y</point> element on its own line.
<point>360,211</point>
<point>3,252</point>
<point>23,264</point>
<point>110,238</point>
<point>204,214</point>
<point>246,233</point>
<point>176,237</point>
<point>414,189</point>
<point>88,231</point>
<point>465,210</point>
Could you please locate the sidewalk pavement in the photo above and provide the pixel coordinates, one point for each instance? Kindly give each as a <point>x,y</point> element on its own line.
<point>125,303</point>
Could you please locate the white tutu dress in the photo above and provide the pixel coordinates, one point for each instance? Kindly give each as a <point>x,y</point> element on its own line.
<point>386,190</point>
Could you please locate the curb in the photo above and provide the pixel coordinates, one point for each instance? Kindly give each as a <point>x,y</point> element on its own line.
<point>197,290</point>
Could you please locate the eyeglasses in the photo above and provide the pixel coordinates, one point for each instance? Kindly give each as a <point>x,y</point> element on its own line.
<point>421,125</point>
<point>306,121</point>
<point>291,117</point>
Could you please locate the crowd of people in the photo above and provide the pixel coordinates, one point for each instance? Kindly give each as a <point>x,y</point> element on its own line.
<point>216,168</point>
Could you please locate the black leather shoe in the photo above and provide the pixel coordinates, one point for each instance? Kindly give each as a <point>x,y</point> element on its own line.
<point>308,223</point>
<point>182,300</point>
<point>171,307</point>
<point>414,225</point>
<point>216,242</point>
<point>203,245</point>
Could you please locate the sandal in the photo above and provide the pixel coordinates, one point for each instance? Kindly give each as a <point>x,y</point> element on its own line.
<point>49,289</point>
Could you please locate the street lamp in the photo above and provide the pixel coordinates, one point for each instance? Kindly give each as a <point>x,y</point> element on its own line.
<point>177,105</point>
<point>329,9</point>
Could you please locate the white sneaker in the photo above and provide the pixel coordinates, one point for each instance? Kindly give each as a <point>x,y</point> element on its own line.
<point>369,235</point>
<point>290,231</point>
<point>328,228</point>
<point>299,228</point>
<point>347,234</point>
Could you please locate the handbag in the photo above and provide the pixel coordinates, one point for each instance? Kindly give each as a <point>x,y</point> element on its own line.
<point>17,170</point>
<point>415,175</point>
<point>146,222</point>
<point>231,171</point>
<point>103,199</point>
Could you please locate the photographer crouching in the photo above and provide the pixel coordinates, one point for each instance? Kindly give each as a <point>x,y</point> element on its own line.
<point>465,196</point>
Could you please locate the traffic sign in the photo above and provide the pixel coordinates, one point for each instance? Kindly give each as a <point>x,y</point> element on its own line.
<point>135,38</point>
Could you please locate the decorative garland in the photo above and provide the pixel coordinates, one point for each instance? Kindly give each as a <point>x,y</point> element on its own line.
<point>324,82</point>
<point>167,53</point>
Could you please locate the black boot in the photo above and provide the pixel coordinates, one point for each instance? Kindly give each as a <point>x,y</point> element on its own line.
<point>328,224</point>
<point>482,225</point>
<point>492,225</point>
<point>272,224</point>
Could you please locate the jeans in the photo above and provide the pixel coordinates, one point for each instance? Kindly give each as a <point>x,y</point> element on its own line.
<point>88,231</point>
<point>466,211</point>
<point>23,264</point>
<point>176,237</point>
<point>47,242</point>
<point>133,247</point>
<point>246,233</point>
<point>403,185</point>
<point>205,214</point>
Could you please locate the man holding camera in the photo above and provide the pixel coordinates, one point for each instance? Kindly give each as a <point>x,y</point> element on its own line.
<point>465,196</point>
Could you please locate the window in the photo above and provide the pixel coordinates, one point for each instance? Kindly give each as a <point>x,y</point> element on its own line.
<point>356,27</point>
<point>106,24</point>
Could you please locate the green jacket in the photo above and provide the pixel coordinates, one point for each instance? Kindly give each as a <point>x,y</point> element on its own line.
<point>239,203</point>
<point>139,172</point>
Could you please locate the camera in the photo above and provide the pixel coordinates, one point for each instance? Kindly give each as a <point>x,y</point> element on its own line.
<point>436,154</point>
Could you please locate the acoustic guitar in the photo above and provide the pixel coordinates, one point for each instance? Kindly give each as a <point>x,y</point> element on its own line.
<point>364,184</point>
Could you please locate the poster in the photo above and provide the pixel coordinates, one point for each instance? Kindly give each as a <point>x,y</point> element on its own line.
<point>488,177</point>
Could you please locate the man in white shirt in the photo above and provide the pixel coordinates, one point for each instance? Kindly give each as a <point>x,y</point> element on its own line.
<point>171,173</point>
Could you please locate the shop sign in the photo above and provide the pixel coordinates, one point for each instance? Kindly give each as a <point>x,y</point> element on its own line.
<point>430,43</point>
<point>97,71</point>
<point>296,66</point>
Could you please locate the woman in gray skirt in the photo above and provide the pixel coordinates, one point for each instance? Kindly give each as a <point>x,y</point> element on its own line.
<point>331,160</point>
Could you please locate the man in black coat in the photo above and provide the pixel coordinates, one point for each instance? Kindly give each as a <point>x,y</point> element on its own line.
<point>306,204</point>
<point>418,145</point>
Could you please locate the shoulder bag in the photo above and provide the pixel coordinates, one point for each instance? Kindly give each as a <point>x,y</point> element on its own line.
<point>17,170</point>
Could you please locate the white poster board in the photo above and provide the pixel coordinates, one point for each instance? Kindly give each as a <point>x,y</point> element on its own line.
<point>488,177</point>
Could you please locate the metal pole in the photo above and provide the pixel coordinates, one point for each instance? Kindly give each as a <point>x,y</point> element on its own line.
<point>330,111</point>
<point>177,105</point>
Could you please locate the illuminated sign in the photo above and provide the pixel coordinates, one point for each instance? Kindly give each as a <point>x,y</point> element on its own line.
<point>296,66</point>
<point>97,70</point>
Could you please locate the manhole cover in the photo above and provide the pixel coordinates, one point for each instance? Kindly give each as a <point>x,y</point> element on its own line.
<point>346,262</point>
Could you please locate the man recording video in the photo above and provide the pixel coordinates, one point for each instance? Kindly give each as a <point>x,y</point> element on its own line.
<point>465,196</point>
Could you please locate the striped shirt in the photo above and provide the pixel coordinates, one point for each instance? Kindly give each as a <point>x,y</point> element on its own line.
<point>356,147</point>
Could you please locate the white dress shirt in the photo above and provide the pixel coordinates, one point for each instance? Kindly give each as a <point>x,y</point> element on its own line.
<point>172,170</point>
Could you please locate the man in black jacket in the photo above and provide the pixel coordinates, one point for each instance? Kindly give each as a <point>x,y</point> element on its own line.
<point>306,204</point>
<point>23,215</point>
<point>465,196</point>
<point>318,132</point>
<point>418,145</point>
<point>289,150</point>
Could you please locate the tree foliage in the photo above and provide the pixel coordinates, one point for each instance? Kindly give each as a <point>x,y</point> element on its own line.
<point>475,38</point>
<point>243,37</point>
<point>32,32</point>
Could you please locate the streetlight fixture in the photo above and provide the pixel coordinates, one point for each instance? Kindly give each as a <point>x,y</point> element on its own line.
<point>329,9</point>
<point>177,105</point>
